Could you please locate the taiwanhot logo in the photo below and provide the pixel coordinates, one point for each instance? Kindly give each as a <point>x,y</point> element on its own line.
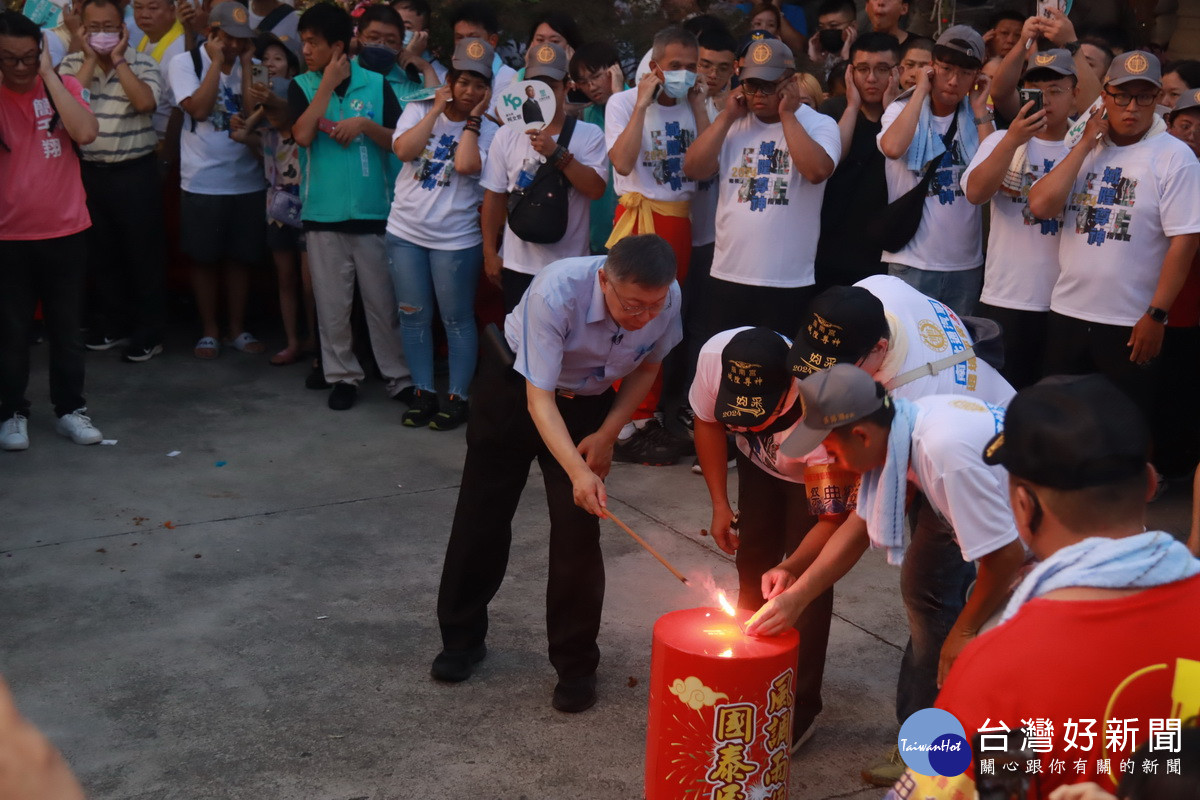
<point>932,742</point>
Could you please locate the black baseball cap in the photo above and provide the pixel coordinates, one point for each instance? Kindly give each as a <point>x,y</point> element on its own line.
<point>1071,432</point>
<point>754,377</point>
<point>842,323</point>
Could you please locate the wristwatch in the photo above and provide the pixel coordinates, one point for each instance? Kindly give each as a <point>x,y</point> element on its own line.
<point>1157,314</point>
<point>1073,47</point>
<point>986,118</point>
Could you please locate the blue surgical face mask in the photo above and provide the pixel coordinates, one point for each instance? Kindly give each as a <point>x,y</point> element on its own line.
<point>377,58</point>
<point>677,82</point>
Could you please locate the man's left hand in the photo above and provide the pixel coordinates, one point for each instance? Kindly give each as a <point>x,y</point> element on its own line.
<point>956,640</point>
<point>542,142</point>
<point>122,44</point>
<point>1145,341</point>
<point>979,93</point>
<point>597,450</point>
<point>789,97</point>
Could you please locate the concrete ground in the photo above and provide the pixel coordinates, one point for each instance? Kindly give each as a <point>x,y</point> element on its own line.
<point>254,617</point>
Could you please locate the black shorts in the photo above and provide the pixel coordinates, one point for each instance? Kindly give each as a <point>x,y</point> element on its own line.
<point>215,227</point>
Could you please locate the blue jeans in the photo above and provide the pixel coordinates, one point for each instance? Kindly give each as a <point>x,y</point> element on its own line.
<point>959,290</point>
<point>421,275</point>
<point>933,582</point>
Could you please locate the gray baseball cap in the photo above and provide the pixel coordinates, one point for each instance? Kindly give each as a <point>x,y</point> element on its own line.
<point>473,55</point>
<point>232,18</point>
<point>1136,65</point>
<point>833,397</point>
<point>965,40</point>
<point>767,60</point>
<point>1189,99</point>
<point>547,60</point>
<point>1057,60</point>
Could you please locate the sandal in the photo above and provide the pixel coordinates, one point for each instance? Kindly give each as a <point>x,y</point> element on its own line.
<point>207,348</point>
<point>286,356</point>
<point>247,344</point>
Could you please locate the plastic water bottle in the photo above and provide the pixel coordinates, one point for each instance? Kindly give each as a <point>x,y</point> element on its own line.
<point>528,169</point>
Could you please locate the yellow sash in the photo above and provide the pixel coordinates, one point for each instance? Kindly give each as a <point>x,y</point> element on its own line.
<point>163,43</point>
<point>640,211</point>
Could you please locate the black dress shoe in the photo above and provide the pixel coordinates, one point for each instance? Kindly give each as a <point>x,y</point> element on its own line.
<point>342,397</point>
<point>573,695</point>
<point>455,666</point>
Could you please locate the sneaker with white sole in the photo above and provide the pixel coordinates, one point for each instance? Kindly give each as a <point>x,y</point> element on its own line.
<point>14,433</point>
<point>77,426</point>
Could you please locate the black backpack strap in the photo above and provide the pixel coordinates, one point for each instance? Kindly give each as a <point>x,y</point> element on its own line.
<point>564,136</point>
<point>198,66</point>
<point>276,16</point>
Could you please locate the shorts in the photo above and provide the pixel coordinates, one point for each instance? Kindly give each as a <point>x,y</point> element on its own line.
<point>284,238</point>
<point>215,227</point>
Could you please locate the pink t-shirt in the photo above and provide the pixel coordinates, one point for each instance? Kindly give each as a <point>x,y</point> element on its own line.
<point>41,193</point>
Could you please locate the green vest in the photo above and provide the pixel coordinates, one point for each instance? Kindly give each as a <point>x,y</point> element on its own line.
<point>352,182</point>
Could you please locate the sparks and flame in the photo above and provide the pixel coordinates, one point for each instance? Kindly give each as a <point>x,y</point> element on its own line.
<point>728,653</point>
<point>726,606</point>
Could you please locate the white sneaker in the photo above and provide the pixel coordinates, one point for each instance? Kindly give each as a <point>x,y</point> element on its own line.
<point>78,427</point>
<point>14,433</point>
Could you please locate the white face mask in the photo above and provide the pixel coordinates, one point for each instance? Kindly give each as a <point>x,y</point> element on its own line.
<point>677,82</point>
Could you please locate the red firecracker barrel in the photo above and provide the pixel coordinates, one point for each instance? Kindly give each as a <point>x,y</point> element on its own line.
<point>720,708</point>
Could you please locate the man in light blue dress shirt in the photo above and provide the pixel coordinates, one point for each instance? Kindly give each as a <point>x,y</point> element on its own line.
<point>583,324</point>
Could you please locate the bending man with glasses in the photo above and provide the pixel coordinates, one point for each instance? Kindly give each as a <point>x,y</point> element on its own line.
<point>1127,191</point>
<point>582,324</point>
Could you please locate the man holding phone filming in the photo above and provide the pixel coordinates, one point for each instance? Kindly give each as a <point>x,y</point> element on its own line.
<point>944,259</point>
<point>1022,261</point>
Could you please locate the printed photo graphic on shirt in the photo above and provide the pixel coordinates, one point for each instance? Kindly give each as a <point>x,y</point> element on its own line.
<point>226,106</point>
<point>946,185</point>
<point>435,165</point>
<point>762,175</point>
<point>664,159</point>
<point>945,330</point>
<point>1048,227</point>
<point>529,105</point>
<point>1104,209</point>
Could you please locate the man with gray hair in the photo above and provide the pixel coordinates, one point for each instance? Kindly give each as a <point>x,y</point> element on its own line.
<point>582,324</point>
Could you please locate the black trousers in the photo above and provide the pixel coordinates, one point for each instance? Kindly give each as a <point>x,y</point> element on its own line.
<point>127,248</point>
<point>49,270</point>
<point>502,442</point>
<point>513,285</point>
<point>731,305</point>
<point>679,367</point>
<point>773,518</point>
<point>1024,342</point>
<point>1077,347</point>
<point>1175,424</point>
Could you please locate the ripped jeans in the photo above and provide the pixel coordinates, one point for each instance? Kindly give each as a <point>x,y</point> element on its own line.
<point>421,275</point>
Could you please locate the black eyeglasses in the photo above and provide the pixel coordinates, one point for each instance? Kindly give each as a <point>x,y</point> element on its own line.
<point>764,89</point>
<point>29,59</point>
<point>1122,98</point>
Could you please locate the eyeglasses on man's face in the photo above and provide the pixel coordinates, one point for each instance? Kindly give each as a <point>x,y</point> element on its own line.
<point>28,59</point>
<point>637,311</point>
<point>881,71</point>
<point>1122,98</point>
<point>763,88</point>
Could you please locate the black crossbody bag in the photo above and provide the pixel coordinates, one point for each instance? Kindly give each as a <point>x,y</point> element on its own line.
<point>897,224</point>
<point>539,212</point>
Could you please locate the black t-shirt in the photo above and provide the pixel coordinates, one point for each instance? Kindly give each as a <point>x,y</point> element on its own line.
<point>298,104</point>
<point>854,194</point>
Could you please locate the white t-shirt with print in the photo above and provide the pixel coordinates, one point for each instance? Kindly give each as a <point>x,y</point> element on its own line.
<point>1124,205</point>
<point>762,450</point>
<point>209,161</point>
<point>946,464</point>
<point>924,330</point>
<point>433,205</point>
<point>667,134</point>
<point>1022,257</point>
<point>950,236</point>
<point>769,215</point>
<point>509,150</point>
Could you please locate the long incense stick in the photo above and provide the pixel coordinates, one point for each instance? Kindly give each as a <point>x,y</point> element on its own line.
<point>646,545</point>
